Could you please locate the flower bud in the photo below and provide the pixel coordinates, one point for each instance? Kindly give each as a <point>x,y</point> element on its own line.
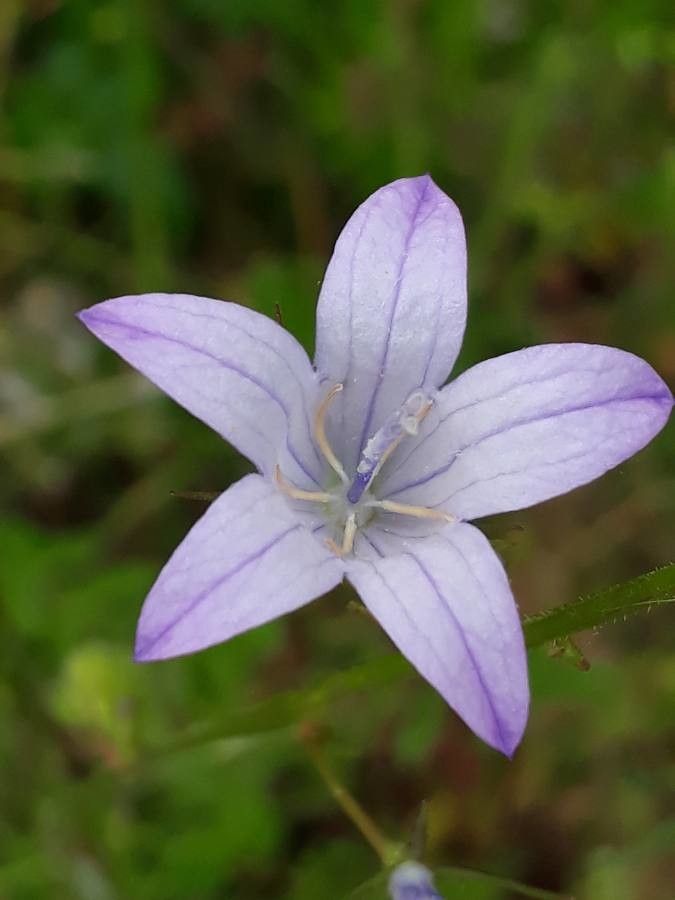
<point>411,881</point>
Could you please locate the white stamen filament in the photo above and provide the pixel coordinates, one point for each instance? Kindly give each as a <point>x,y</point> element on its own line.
<point>347,538</point>
<point>417,512</point>
<point>320,433</point>
<point>296,493</point>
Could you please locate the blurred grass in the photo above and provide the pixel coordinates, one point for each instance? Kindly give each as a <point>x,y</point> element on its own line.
<point>218,148</point>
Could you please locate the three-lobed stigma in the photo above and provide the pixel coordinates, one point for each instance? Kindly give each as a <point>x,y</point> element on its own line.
<point>350,505</point>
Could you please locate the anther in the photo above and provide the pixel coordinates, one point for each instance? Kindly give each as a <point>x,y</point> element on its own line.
<point>320,433</point>
<point>296,493</point>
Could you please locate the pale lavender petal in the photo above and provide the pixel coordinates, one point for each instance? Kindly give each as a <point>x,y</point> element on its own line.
<point>248,560</point>
<point>445,602</point>
<point>392,308</point>
<point>233,368</point>
<point>521,428</point>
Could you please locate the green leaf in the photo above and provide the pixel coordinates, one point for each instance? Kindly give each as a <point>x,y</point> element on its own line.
<point>459,883</point>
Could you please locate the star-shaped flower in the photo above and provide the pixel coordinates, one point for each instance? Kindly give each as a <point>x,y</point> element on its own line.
<point>367,467</point>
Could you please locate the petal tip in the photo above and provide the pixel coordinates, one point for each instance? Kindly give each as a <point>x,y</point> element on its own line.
<point>140,654</point>
<point>667,399</point>
<point>90,317</point>
<point>84,315</point>
<point>507,747</point>
<point>418,185</point>
<point>147,649</point>
<point>662,406</point>
<point>503,741</point>
<point>423,181</point>
<point>510,731</point>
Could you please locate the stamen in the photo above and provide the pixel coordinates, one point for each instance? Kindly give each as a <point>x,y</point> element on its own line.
<point>332,546</point>
<point>320,433</point>
<point>418,512</point>
<point>296,494</point>
<point>347,538</point>
<point>404,422</point>
<point>349,535</point>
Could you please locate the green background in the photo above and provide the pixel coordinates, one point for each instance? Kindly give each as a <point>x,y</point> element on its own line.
<point>217,147</point>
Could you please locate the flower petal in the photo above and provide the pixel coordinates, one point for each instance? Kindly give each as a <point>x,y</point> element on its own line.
<point>233,368</point>
<point>530,425</point>
<point>392,308</point>
<point>248,560</point>
<point>446,603</point>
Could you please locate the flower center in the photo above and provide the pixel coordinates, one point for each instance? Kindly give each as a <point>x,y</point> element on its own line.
<point>350,506</point>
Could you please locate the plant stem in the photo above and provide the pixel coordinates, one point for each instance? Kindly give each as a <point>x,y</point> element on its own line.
<point>385,849</point>
<point>606,605</point>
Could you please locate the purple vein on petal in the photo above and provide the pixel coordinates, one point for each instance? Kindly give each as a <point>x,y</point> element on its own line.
<point>435,333</point>
<point>206,395</point>
<point>235,624</point>
<point>432,649</point>
<point>521,423</point>
<point>392,313</point>
<point>206,593</point>
<point>369,540</point>
<point>401,460</point>
<point>503,738</point>
<point>407,615</point>
<point>352,262</point>
<point>532,472</point>
<point>138,330</point>
<point>472,658</point>
<point>257,339</point>
<point>434,343</point>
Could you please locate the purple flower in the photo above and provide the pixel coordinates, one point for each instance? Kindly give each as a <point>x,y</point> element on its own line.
<point>366,469</point>
<point>411,881</point>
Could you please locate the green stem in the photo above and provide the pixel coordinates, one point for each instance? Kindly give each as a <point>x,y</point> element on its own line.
<point>386,850</point>
<point>601,607</point>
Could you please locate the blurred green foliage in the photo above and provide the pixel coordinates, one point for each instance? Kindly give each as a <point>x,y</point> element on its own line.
<point>217,148</point>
